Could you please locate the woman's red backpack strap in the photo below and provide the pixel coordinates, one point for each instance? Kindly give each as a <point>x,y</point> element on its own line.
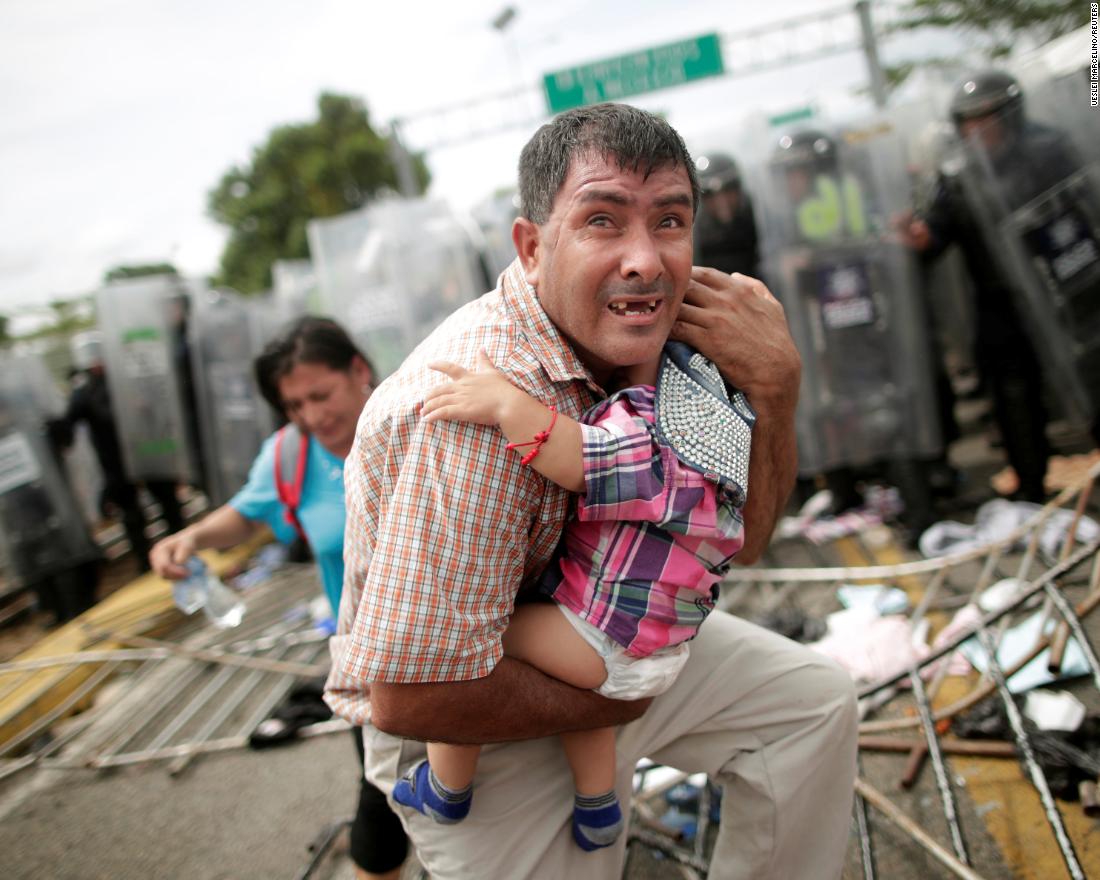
<point>291,455</point>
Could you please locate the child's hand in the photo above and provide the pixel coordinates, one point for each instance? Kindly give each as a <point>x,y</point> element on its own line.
<point>481,398</point>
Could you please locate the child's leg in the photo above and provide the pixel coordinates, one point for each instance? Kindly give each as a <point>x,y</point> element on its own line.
<point>597,817</point>
<point>454,766</point>
<point>440,787</point>
<point>591,755</point>
<point>540,635</point>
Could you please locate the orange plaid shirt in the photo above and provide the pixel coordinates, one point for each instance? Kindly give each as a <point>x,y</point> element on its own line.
<point>443,523</point>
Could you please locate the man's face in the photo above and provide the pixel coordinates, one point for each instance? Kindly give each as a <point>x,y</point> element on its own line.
<point>799,183</point>
<point>988,129</point>
<point>722,205</point>
<point>611,263</point>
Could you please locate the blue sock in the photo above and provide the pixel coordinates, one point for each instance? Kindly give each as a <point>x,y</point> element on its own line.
<point>597,820</point>
<point>421,790</point>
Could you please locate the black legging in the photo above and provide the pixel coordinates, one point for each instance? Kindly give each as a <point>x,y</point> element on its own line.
<point>164,491</point>
<point>378,841</point>
<point>1011,369</point>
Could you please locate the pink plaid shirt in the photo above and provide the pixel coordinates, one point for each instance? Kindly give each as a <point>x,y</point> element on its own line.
<point>443,523</point>
<point>642,560</point>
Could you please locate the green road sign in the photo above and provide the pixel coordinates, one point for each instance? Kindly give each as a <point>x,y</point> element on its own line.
<point>643,71</point>
<point>799,114</point>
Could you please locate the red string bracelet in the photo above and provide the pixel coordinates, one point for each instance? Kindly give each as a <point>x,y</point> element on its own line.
<point>540,438</point>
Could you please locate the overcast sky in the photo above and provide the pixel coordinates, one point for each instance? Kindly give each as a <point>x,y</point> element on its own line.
<point>118,116</point>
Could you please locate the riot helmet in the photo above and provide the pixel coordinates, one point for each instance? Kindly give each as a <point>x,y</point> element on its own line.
<point>800,157</point>
<point>808,148</point>
<point>717,172</point>
<point>86,349</point>
<point>985,94</point>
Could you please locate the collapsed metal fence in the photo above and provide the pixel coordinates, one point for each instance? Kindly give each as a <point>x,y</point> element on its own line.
<point>206,690</point>
<point>1069,587</point>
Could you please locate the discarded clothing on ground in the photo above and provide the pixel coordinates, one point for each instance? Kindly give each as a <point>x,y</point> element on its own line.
<point>303,706</point>
<point>793,623</point>
<point>872,642</point>
<point>812,522</point>
<point>997,519</point>
<point>1016,643</point>
<point>872,647</point>
<point>880,597</point>
<point>1067,758</point>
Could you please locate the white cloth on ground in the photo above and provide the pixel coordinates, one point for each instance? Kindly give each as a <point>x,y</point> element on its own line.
<point>997,519</point>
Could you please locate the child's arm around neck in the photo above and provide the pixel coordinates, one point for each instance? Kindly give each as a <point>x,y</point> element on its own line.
<point>488,398</point>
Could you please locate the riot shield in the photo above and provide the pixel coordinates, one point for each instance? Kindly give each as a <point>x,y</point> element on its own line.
<point>494,217</point>
<point>80,465</point>
<point>41,529</point>
<point>226,335</point>
<point>852,299</point>
<point>143,322</point>
<point>1033,185</point>
<point>927,139</point>
<point>393,271</point>
<point>294,289</point>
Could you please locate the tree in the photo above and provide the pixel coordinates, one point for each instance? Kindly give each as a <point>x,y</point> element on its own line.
<point>993,27</point>
<point>141,270</point>
<point>70,316</point>
<point>996,26</point>
<point>316,169</point>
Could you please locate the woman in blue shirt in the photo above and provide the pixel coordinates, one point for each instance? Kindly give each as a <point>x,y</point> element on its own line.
<point>314,374</point>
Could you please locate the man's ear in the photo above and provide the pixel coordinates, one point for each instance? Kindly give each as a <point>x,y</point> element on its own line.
<point>525,236</point>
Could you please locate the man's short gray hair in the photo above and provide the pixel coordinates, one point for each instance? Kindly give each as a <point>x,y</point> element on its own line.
<point>638,140</point>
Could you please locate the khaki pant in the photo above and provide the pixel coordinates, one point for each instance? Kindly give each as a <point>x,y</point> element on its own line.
<point>772,721</point>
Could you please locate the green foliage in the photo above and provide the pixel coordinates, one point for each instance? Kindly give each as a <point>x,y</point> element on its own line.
<point>897,74</point>
<point>142,270</point>
<point>70,316</point>
<point>315,169</point>
<point>995,26</point>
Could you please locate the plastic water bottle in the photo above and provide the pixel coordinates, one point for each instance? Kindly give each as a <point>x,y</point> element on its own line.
<point>222,606</point>
<point>189,593</point>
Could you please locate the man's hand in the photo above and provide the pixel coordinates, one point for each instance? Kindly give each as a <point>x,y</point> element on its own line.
<point>912,231</point>
<point>515,701</point>
<point>736,322</point>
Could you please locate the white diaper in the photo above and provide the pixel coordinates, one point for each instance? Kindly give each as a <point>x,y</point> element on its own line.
<point>630,678</point>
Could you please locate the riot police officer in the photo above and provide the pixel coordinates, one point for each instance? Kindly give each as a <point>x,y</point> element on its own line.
<point>44,542</point>
<point>1006,161</point>
<point>850,295</point>
<point>90,402</point>
<point>725,230</point>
